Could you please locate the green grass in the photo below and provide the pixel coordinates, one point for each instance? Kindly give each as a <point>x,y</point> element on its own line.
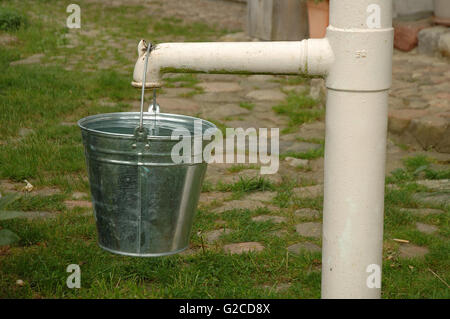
<point>52,95</point>
<point>417,167</point>
<point>206,275</point>
<point>247,105</point>
<point>311,154</point>
<point>184,81</point>
<point>414,278</point>
<point>48,246</point>
<point>10,19</point>
<point>299,108</point>
<point>291,80</point>
<point>247,184</point>
<point>236,168</point>
<point>40,98</point>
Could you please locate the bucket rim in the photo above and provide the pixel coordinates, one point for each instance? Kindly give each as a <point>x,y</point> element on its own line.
<point>81,124</point>
<point>123,253</point>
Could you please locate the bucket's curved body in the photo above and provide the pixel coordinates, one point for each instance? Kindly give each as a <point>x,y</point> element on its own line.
<point>144,203</point>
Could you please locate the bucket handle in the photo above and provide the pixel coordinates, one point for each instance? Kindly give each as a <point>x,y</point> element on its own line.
<point>144,80</point>
<point>141,132</point>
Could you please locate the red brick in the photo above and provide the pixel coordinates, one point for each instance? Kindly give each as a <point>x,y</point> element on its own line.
<point>406,33</point>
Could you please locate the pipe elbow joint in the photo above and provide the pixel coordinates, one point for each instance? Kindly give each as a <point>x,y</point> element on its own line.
<point>153,70</point>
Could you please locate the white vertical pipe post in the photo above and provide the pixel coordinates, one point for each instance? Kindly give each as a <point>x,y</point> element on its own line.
<point>361,37</point>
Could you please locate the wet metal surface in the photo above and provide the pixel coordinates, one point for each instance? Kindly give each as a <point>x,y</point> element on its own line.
<point>144,204</point>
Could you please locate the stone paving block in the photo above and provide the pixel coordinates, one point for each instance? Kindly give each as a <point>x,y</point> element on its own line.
<point>207,198</point>
<point>426,228</point>
<point>265,196</point>
<point>399,120</point>
<point>218,77</point>
<point>260,78</point>
<point>441,197</point>
<point>315,130</point>
<point>273,219</point>
<point>256,173</point>
<point>266,95</point>
<point>33,59</point>
<point>279,233</point>
<point>241,248</point>
<point>78,203</point>
<point>307,213</point>
<point>218,97</point>
<point>412,251</point>
<point>308,191</point>
<point>214,235</point>
<point>175,92</point>
<point>432,132</point>
<point>299,88</point>
<point>306,246</point>
<point>429,39</point>
<point>309,229</point>
<point>297,162</point>
<point>216,112</point>
<point>178,105</point>
<point>215,87</point>
<point>435,184</point>
<point>6,39</point>
<point>318,90</point>
<point>79,195</point>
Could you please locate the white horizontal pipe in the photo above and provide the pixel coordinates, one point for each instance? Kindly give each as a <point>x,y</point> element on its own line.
<point>289,57</point>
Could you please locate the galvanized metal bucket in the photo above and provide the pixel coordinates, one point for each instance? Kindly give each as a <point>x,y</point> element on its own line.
<point>144,203</point>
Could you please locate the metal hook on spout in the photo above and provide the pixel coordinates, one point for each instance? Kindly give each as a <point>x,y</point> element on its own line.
<point>153,107</point>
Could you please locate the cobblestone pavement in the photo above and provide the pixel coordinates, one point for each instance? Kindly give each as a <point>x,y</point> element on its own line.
<point>419,103</point>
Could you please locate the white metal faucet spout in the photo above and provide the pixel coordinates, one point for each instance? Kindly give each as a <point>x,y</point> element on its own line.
<point>313,57</point>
